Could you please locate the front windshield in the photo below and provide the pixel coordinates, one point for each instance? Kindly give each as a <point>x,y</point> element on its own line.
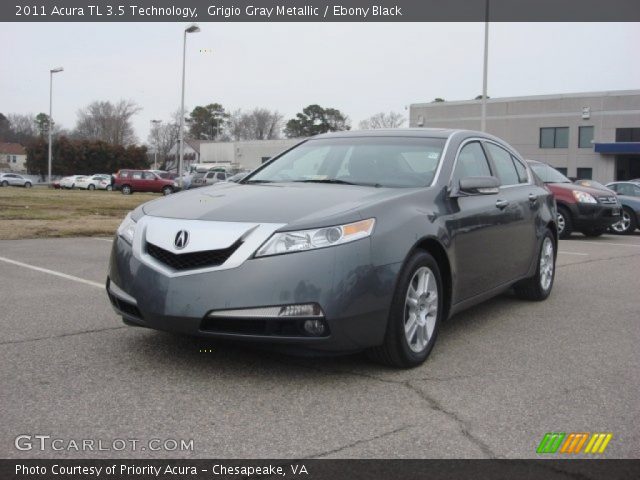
<point>371,161</point>
<point>548,174</point>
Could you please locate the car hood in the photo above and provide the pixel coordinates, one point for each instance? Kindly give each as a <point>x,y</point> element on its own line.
<point>289,203</point>
<point>596,192</point>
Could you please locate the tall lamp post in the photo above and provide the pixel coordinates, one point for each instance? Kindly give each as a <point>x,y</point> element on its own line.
<point>51,72</point>
<point>483,116</point>
<point>155,123</point>
<point>190,29</point>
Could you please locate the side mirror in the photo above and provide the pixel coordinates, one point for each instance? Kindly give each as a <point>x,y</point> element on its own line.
<point>479,185</point>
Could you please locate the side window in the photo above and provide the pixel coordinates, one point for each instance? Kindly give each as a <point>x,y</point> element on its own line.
<point>503,162</point>
<point>220,176</point>
<point>625,189</point>
<point>521,169</point>
<point>136,175</point>
<point>471,162</point>
<point>636,191</point>
<point>148,176</point>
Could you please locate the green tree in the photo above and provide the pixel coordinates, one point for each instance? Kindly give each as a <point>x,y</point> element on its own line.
<point>42,124</point>
<point>314,120</point>
<point>207,123</point>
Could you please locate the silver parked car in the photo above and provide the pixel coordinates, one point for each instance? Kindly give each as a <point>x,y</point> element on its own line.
<point>15,180</point>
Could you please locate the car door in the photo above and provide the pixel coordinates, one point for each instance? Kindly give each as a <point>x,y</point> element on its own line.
<point>151,182</point>
<point>475,226</point>
<point>14,179</point>
<point>519,210</point>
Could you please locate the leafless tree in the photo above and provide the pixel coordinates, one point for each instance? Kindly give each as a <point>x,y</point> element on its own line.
<point>383,120</point>
<point>108,122</point>
<point>162,138</point>
<point>258,124</point>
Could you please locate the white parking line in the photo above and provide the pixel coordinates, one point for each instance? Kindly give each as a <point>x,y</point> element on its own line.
<point>110,240</point>
<point>608,243</point>
<point>53,272</point>
<point>573,253</point>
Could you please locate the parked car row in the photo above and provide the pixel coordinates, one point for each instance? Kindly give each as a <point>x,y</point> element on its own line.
<point>14,180</point>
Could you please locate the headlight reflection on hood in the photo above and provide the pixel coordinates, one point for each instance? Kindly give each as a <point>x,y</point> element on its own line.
<point>127,229</point>
<point>301,240</point>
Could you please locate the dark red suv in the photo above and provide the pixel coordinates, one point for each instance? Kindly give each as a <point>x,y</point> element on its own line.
<point>583,209</point>
<point>129,181</point>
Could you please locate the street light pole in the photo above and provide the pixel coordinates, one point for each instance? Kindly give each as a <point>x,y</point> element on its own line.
<point>50,126</point>
<point>191,29</point>
<point>483,116</point>
<point>155,138</point>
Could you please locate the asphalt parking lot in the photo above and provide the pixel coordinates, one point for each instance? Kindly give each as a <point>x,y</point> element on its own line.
<point>501,375</point>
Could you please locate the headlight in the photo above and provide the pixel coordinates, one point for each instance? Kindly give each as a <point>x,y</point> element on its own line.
<point>288,242</point>
<point>127,229</point>
<point>583,197</point>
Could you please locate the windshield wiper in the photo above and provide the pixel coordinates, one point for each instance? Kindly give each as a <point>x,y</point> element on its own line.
<point>258,181</point>
<point>337,181</point>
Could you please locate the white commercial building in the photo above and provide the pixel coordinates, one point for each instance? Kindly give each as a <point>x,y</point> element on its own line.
<point>584,135</point>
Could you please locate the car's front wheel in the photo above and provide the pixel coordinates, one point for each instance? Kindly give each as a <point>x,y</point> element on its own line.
<point>415,314</point>
<point>27,185</point>
<point>539,286</point>
<point>167,191</point>
<point>565,225</point>
<point>5,183</point>
<point>91,187</point>
<point>109,188</point>
<point>627,223</point>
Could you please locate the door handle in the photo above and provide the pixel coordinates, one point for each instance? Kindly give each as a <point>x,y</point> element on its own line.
<point>501,204</point>
<point>533,198</point>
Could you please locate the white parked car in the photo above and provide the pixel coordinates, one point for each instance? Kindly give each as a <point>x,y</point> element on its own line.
<point>100,182</point>
<point>13,179</point>
<point>71,181</point>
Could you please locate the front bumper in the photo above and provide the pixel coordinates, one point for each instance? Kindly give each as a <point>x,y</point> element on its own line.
<point>594,216</point>
<point>354,295</point>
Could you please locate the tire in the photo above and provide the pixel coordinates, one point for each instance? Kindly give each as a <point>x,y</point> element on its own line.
<point>91,187</point>
<point>565,224</point>
<point>627,224</point>
<point>109,188</point>
<point>167,191</point>
<point>408,344</point>
<point>27,185</point>
<point>126,190</point>
<point>73,186</point>
<point>539,286</point>
<point>595,232</point>
<point>5,183</point>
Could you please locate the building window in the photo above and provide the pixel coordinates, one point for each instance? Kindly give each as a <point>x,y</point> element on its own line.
<point>14,159</point>
<point>554,137</point>
<point>585,137</point>
<point>562,170</point>
<point>627,134</point>
<point>585,173</point>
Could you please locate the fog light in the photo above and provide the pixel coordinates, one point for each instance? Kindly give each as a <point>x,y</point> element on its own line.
<point>314,327</point>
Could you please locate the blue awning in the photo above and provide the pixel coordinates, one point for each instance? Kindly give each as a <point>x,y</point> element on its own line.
<point>617,148</point>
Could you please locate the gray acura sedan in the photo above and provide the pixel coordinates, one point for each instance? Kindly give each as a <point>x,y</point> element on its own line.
<point>349,241</point>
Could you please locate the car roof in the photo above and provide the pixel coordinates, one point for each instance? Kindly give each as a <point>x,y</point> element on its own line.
<point>395,132</point>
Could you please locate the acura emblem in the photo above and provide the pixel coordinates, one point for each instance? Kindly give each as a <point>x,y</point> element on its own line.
<point>181,240</point>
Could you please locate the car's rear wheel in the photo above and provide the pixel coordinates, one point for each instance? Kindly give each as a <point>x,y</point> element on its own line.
<point>565,225</point>
<point>167,191</point>
<point>91,186</point>
<point>126,190</point>
<point>27,185</point>
<point>415,315</point>
<point>627,223</point>
<point>539,286</point>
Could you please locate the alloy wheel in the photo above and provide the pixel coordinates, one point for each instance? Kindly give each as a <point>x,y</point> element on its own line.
<point>546,264</point>
<point>623,225</point>
<point>561,223</point>
<point>421,309</point>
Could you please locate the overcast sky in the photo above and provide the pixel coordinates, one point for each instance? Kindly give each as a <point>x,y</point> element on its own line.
<point>359,68</point>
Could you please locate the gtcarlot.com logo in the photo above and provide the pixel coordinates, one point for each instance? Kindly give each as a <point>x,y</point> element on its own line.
<point>560,442</point>
<point>48,443</point>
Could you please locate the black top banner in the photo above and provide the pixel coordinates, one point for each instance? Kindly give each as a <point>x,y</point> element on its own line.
<point>320,11</point>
